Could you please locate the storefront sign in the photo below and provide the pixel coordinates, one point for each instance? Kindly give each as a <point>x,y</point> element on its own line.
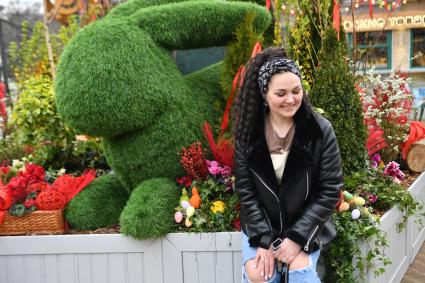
<point>386,23</point>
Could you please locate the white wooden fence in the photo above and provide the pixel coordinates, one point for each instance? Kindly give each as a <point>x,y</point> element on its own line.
<point>178,257</point>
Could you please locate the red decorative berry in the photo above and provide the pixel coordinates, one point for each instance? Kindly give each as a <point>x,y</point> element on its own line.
<point>193,161</point>
<point>50,199</point>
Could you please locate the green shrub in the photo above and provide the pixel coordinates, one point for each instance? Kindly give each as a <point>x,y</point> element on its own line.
<point>239,51</point>
<point>334,92</point>
<point>38,125</point>
<point>29,58</point>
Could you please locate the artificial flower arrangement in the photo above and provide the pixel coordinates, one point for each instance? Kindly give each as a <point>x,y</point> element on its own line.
<point>208,200</point>
<point>25,188</point>
<point>366,196</point>
<point>375,191</point>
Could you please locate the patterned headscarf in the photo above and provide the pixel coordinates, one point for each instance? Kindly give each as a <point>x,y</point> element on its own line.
<point>273,66</point>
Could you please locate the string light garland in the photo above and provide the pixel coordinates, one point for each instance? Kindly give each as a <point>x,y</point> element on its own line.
<point>386,4</point>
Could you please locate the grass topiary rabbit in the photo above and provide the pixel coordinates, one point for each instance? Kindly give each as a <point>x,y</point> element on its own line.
<point>117,79</point>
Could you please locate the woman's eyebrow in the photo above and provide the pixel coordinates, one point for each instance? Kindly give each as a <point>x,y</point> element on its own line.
<point>284,89</point>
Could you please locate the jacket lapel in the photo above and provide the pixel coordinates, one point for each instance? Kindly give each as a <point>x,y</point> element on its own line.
<point>261,162</point>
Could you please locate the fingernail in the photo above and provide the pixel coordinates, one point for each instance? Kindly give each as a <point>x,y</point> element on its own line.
<point>270,276</point>
<point>255,266</point>
<point>262,273</point>
<point>265,277</point>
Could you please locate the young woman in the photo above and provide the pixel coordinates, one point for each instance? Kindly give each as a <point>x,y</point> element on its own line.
<point>288,173</point>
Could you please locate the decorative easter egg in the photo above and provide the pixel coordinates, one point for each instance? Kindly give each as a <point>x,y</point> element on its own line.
<point>195,200</point>
<point>355,214</point>
<point>185,204</point>
<point>187,222</point>
<point>359,201</point>
<point>178,217</point>
<point>190,211</point>
<point>365,211</point>
<point>344,206</point>
<point>347,196</point>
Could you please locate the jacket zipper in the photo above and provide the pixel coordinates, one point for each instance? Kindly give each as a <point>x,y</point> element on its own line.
<point>267,217</point>
<point>277,199</point>
<point>306,195</point>
<point>310,238</point>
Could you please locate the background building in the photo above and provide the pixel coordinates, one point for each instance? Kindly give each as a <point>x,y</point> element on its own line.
<point>392,36</point>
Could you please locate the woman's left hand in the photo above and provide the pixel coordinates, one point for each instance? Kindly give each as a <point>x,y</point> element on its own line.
<point>287,251</point>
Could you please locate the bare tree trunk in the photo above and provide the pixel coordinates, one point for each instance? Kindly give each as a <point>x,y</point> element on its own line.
<point>354,39</point>
<point>48,43</point>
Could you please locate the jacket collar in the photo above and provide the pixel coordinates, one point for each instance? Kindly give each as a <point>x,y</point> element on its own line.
<point>307,131</point>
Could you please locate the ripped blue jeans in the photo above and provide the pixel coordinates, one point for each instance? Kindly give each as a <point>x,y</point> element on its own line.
<point>304,275</point>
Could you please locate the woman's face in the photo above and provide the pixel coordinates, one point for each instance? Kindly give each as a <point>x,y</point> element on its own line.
<point>284,95</point>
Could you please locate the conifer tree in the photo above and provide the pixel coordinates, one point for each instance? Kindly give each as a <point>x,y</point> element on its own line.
<point>335,93</point>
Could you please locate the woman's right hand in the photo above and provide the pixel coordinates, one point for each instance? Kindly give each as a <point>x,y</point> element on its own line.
<point>264,262</point>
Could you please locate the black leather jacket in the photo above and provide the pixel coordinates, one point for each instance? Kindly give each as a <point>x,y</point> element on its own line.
<point>300,207</point>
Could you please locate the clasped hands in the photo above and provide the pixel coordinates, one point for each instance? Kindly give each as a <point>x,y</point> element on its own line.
<point>286,253</point>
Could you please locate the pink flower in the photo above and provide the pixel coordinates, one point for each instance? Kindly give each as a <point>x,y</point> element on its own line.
<point>393,169</point>
<point>213,167</point>
<point>373,198</point>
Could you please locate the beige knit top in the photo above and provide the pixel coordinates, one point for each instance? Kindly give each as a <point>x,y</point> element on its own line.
<point>278,147</point>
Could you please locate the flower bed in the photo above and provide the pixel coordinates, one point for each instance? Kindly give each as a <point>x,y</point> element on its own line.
<point>177,257</point>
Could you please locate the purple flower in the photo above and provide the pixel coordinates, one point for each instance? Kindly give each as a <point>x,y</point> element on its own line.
<point>225,171</point>
<point>376,158</point>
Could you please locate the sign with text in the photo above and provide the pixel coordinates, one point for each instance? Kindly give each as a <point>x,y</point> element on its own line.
<point>385,23</point>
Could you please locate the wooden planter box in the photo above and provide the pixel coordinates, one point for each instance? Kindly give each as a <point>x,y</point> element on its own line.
<point>177,257</point>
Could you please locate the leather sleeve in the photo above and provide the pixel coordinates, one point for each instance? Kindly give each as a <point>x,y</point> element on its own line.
<point>327,184</point>
<point>257,227</point>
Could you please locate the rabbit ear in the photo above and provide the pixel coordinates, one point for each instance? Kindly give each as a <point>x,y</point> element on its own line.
<point>132,6</point>
<point>197,24</point>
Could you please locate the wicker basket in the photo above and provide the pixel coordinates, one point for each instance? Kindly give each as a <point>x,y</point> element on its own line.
<point>37,222</point>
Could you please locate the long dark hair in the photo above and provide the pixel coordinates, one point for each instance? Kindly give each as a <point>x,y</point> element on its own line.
<point>249,108</point>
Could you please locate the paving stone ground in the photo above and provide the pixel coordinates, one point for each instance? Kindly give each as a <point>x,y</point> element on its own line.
<point>416,272</point>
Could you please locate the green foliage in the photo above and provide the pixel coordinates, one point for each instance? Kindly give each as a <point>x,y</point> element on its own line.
<point>10,149</point>
<point>334,92</point>
<point>239,51</point>
<point>38,125</point>
<point>389,194</point>
<point>98,205</point>
<point>149,210</point>
<point>87,154</point>
<point>344,256</point>
<point>304,34</point>
<point>344,250</point>
<point>29,57</point>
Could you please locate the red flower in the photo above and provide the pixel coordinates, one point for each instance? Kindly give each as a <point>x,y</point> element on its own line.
<point>30,202</point>
<point>5,170</point>
<point>186,181</point>
<point>37,187</point>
